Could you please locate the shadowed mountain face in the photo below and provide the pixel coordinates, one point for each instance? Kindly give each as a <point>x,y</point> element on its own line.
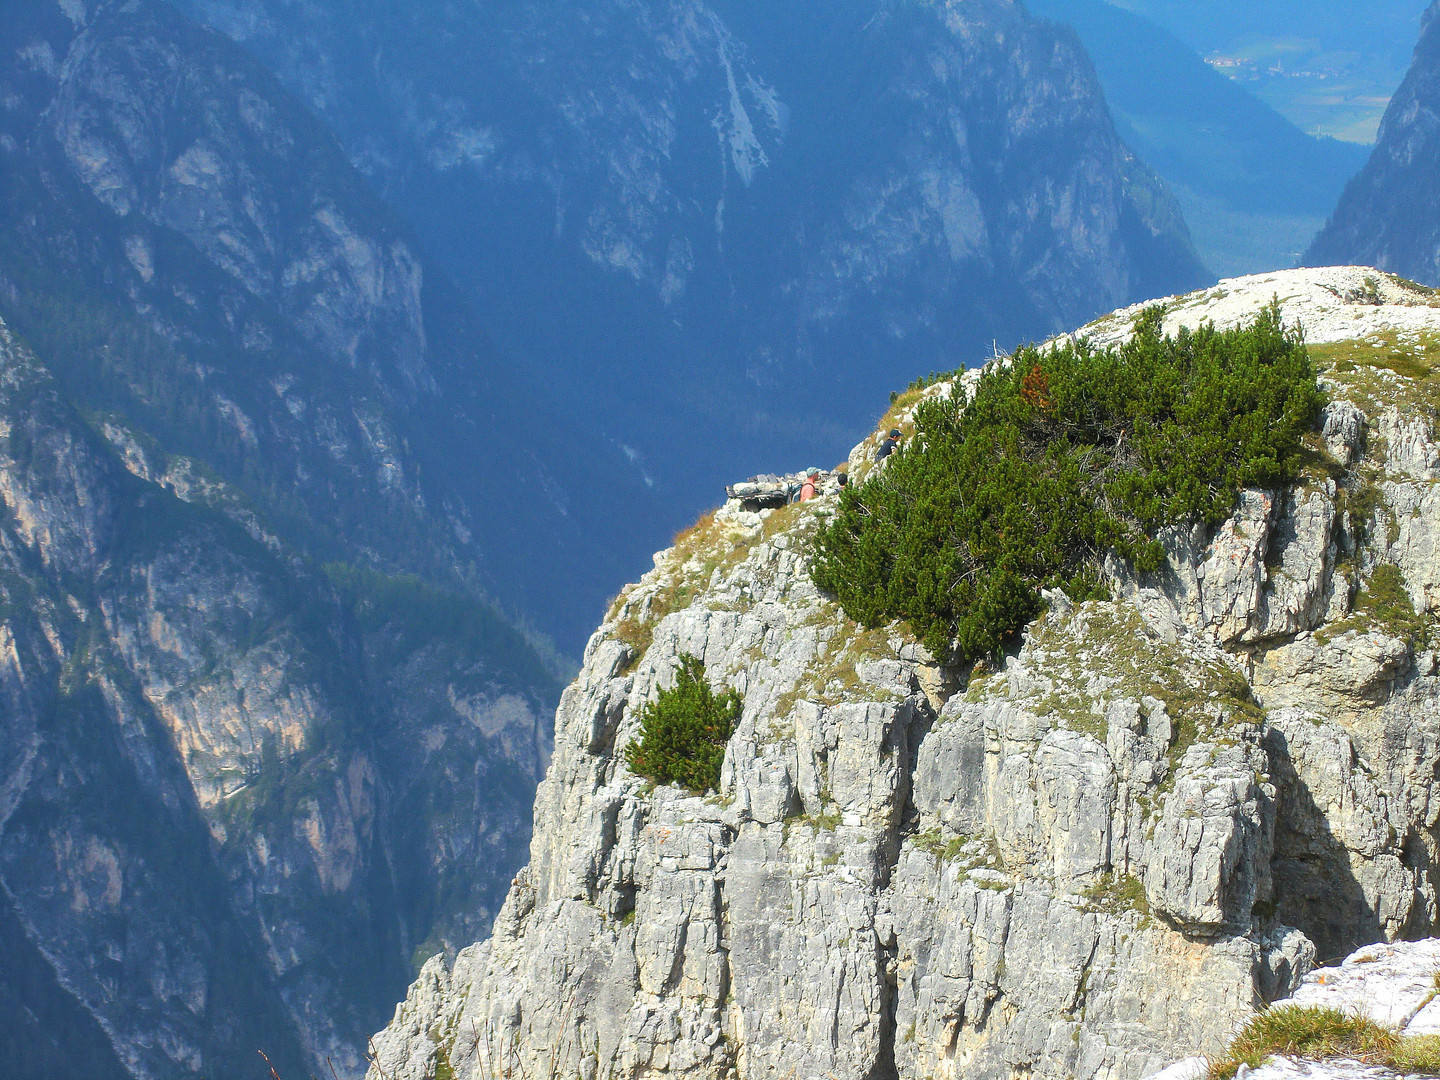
<point>1254,187</point>
<point>727,226</point>
<point>1388,215</point>
<point>279,321</point>
<point>262,739</point>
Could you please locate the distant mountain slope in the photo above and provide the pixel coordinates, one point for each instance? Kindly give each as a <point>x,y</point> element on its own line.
<point>1328,65</point>
<point>1255,188</point>
<point>190,248</point>
<point>1389,216</point>
<point>723,226</point>
<point>235,789</point>
<point>263,738</point>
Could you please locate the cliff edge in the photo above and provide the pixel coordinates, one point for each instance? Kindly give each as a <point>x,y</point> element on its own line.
<point>1158,815</point>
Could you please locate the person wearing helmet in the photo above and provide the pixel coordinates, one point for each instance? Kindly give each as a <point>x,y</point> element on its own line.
<point>888,446</point>
<point>811,487</point>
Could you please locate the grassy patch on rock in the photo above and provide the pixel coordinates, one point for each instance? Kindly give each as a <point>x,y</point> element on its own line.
<point>1118,892</point>
<point>834,676</point>
<point>1384,604</point>
<point>1104,652</point>
<point>717,542</point>
<point>934,842</point>
<point>1390,368</point>
<point>1316,1033</point>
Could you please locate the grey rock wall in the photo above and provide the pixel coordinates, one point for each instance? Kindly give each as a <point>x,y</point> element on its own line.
<point>1151,820</point>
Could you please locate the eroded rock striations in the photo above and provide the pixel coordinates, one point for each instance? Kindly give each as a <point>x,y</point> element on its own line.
<point>1156,816</point>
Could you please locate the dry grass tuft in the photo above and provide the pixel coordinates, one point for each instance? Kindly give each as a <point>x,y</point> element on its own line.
<point>1315,1034</point>
<point>1417,1054</point>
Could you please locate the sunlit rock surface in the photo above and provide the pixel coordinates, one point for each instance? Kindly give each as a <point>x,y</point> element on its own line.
<point>1096,860</point>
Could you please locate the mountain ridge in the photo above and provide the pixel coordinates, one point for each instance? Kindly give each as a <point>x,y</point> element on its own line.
<point>1104,852</point>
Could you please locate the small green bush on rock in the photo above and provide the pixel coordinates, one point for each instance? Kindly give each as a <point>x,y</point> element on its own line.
<point>1060,457</point>
<point>684,732</point>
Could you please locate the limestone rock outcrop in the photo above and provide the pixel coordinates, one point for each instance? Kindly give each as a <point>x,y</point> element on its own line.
<point>1155,816</point>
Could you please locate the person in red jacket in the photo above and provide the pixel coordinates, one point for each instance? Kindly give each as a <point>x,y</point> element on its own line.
<point>811,487</point>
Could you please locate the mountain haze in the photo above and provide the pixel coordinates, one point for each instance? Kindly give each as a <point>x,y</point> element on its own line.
<point>1254,187</point>
<point>1388,214</point>
<point>740,220</point>
<point>224,821</point>
<point>1327,65</point>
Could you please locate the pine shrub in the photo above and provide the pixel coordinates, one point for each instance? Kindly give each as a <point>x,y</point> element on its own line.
<point>684,732</point>
<point>1059,458</point>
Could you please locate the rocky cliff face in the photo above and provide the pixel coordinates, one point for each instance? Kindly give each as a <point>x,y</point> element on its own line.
<point>263,741</point>
<point>1092,861</point>
<point>188,247</point>
<point>1386,215</point>
<point>739,209</point>
<point>237,792</point>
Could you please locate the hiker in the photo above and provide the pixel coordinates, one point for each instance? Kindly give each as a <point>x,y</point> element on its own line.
<point>811,487</point>
<point>888,446</point>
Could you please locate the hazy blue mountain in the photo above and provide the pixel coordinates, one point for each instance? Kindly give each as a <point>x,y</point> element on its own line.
<point>724,227</point>
<point>1254,187</point>
<point>1328,66</point>
<point>296,337</point>
<point>263,738</point>
<point>1388,215</point>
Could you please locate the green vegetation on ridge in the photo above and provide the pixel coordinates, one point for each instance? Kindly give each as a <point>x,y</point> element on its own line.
<point>1060,457</point>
